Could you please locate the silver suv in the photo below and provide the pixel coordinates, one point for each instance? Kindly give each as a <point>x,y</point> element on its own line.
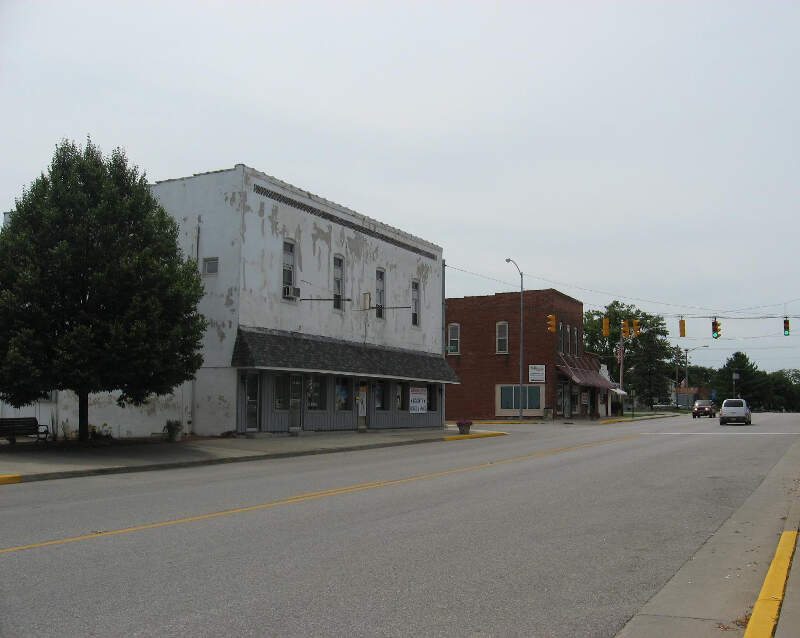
<point>734,410</point>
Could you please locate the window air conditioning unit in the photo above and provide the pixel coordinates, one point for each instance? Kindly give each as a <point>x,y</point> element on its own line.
<point>291,292</point>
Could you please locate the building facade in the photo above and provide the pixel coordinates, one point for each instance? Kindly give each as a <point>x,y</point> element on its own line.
<point>483,348</point>
<point>319,318</point>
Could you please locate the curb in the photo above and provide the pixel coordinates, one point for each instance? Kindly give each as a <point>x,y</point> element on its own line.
<point>8,479</point>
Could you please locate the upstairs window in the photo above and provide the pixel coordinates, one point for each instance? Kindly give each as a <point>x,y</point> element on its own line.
<point>338,282</point>
<point>501,337</point>
<point>568,340</point>
<point>414,303</point>
<point>560,336</point>
<point>454,338</point>
<point>575,341</point>
<point>380,292</point>
<point>289,289</point>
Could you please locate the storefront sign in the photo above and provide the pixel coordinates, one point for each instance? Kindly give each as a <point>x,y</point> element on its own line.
<point>536,373</point>
<point>417,400</point>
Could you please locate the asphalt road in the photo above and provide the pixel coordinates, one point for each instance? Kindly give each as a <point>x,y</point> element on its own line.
<point>551,531</point>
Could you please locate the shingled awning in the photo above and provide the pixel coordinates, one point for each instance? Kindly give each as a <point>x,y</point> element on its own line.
<point>278,350</point>
<point>581,372</point>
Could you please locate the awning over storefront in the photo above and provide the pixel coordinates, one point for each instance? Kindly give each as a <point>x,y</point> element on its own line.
<point>580,371</point>
<point>289,351</point>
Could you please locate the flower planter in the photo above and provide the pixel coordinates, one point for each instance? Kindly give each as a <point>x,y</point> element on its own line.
<point>464,426</point>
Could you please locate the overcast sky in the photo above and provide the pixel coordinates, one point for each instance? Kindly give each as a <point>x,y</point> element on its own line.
<point>643,151</point>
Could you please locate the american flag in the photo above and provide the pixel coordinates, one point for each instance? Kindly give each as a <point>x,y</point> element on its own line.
<point>619,354</point>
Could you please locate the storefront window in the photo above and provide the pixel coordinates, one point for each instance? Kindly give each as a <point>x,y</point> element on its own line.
<point>381,400</point>
<point>344,394</point>
<point>432,398</point>
<point>401,396</point>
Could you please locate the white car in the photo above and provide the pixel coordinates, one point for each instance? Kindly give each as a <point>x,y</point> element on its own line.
<point>734,410</point>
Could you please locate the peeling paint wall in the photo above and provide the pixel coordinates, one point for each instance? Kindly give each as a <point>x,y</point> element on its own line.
<point>269,221</point>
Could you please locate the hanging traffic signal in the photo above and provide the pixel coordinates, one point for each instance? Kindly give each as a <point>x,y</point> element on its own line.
<point>716,328</point>
<point>682,327</point>
<point>636,330</point>
<point>551,323</point>
<point>626,332</point>
<point>786,330</point>
<point>606,327</point>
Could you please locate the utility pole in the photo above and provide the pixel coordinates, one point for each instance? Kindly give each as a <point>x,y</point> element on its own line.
<point>521,336</point>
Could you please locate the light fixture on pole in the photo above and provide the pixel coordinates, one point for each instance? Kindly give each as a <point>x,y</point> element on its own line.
<point>521,331</point>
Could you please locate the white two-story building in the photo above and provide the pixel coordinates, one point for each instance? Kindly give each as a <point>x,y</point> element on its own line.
<point>319,318</point>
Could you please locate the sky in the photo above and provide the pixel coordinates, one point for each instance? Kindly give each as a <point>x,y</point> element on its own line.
<point>641,151</point>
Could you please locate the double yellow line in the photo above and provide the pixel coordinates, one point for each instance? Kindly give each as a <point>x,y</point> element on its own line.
<point>312,496</point>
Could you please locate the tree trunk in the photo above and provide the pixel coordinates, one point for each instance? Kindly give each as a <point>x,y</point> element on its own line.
<point>83,415</point>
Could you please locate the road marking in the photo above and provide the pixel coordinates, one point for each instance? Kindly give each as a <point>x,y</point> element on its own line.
<point>6,479</point>
<point>725,433</point>
<point>768,606</point>
<point>311,496</point>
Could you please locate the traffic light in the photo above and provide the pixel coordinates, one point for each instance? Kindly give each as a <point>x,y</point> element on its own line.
<point>606,327</point>
<point>682,327</point>
<point>636,330</point>
<point>551,323</point>
<point>786,330</point>
<point>626,332</point>
<point>716,329</point>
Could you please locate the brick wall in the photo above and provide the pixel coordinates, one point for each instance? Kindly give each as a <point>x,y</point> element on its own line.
<point>480,368</point>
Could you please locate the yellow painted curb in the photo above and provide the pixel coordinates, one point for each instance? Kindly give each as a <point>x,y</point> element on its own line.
<point>480,435</point>
<point>6,479</point>
<point>768,606</point>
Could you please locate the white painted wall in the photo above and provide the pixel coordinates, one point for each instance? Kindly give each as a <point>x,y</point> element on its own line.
<point>268,223</point>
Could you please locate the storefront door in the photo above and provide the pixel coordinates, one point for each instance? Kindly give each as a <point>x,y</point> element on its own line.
<point>296,401</point>
<point>361,404</point>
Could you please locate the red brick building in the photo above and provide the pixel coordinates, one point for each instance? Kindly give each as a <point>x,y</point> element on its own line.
<point>482,336</point>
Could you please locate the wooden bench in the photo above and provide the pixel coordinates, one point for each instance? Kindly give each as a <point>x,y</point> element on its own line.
<point>11,427</point>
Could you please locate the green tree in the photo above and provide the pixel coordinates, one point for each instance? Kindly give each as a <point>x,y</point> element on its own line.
<point>94,292</point>
<point>649,358</point>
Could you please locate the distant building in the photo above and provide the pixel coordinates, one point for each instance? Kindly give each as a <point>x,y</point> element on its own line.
<point>483,349</point>
<point>319,318</point>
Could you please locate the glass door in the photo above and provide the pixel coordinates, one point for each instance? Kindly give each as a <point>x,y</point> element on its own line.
<point>252,394</point>
<point>296,400</point>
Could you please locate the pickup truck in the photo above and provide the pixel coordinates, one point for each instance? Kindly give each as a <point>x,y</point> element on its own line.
<point>734,410</point>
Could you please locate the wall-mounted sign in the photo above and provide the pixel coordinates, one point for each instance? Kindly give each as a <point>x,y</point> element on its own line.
<point>536,373</point>
<point>417,399</point>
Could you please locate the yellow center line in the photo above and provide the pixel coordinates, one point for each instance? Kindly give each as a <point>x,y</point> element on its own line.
<point>311,496</point>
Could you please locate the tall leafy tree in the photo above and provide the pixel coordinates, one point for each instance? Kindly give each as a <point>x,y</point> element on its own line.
<point>95,294</point>
<point>649,358</point>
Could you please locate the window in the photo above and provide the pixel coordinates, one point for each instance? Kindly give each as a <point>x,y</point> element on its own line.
<point>568,339</point>
<point>282,392</point>
<point>316,397</point>
<point>338,282</point>
<point>509,397</point>
<point>288,269</point>
<point>575,340</point>
<point>432,397</point>
<point>560,337</point>
<point>401,396</point>
<point>381,398</point>
<point>344,394</point>
<point>501,337</point>
<point>210,265</point>
<point>414,303</point>
<point>454,338</point>
<point>380,292</point>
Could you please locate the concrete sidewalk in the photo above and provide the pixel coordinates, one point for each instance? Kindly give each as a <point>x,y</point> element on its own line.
<point>30,461</point>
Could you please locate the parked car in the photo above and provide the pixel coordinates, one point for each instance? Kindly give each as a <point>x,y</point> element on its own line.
<point>734,410</point>
<point>704,407</point>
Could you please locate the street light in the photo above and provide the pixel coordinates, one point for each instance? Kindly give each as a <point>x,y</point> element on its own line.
<point>687,351</point>
<point>521,366</point>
